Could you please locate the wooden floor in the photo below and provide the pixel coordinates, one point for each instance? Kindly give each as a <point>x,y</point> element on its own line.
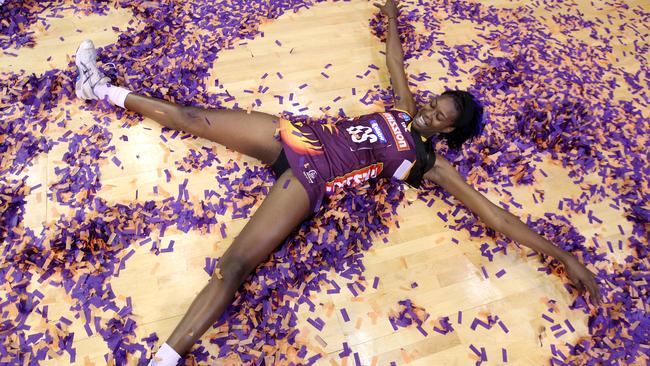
<point>449,276</point>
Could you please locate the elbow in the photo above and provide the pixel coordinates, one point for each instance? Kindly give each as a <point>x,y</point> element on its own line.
<point>500,219</point>
<point>395,60</point>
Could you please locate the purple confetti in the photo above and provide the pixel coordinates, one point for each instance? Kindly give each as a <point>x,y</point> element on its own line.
<point>344,313</point>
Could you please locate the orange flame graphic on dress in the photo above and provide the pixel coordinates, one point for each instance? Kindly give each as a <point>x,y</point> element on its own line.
<point>297,140</point>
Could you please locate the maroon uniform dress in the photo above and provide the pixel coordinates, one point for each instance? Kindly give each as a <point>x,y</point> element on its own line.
<point>324,156</point>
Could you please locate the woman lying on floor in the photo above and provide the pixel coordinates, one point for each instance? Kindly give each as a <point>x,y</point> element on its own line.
<point>310,161</point>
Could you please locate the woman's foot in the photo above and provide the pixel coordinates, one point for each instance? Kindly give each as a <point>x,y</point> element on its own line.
<point>89,75</point>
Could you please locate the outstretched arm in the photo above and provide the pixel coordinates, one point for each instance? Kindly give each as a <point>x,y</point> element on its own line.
<point>445,175</point>
<point>395,60</point>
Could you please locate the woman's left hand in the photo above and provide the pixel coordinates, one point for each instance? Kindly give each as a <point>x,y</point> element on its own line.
<point>582,279</point>
<point>389,9</point>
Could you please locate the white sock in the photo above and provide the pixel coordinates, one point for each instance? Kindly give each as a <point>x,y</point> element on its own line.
<point>116,95</point>
<point>166,356</point>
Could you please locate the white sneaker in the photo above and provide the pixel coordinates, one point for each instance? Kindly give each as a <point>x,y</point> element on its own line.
<point>89,75</point>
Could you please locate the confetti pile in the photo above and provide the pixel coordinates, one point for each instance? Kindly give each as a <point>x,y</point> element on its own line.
<point>408,315</point>
<point>546,92</point>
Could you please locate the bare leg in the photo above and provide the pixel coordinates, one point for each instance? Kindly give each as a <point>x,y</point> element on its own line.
<point>282,211</point>
<point>252,133</point>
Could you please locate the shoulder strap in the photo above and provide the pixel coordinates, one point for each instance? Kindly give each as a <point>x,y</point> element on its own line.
<point>401,110</point>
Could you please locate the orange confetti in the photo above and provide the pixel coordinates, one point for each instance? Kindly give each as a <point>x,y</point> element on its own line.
<point>373,316</point>
<point>320,340</point>
<point>405,356</point>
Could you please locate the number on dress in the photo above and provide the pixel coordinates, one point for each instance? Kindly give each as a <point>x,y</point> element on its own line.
<point>360,134</point>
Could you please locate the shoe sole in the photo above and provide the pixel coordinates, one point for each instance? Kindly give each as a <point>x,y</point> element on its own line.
<point>78,85</point>
<point>76,54</point>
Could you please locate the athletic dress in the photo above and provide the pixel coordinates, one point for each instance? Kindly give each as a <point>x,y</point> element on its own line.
<point>349,152</point>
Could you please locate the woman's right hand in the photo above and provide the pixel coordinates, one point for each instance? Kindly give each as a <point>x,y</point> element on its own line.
<point>389,9</point>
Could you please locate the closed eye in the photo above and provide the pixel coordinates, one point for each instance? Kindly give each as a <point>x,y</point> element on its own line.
<point>434,104</point>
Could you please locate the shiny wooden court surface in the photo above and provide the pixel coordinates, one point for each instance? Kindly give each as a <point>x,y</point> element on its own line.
<point>449,276</point>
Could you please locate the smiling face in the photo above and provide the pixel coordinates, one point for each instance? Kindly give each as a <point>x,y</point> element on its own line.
<point>439,115</point>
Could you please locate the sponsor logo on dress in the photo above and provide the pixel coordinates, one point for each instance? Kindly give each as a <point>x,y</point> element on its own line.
<point>355,177</point>
<point>377,129</point>
<point>310,175</point>
<point>400,140</point>
<point>404,116</point>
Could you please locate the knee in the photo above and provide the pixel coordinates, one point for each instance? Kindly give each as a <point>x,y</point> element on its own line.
<point>185,116</point>
<point>234,270</point>
<point>189,113</point>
